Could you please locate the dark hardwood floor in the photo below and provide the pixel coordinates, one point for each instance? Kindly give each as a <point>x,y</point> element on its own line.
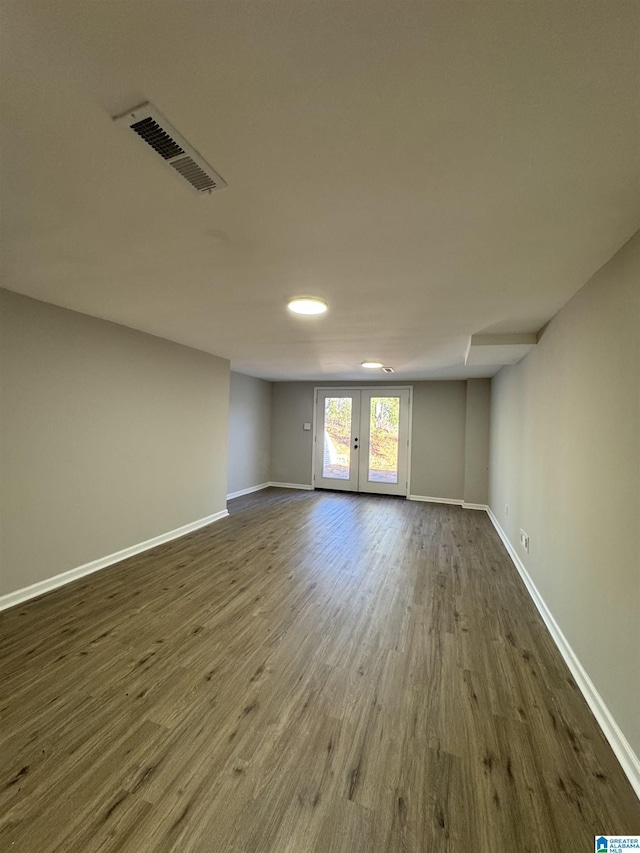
<point>318,673</point>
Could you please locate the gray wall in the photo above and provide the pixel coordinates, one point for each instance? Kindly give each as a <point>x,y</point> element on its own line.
<point>439,441</point>
<point>291,446</point>
<point>565,457</point>
<point>108,437</point>
<point>249,459</point>
<point>476,441</point>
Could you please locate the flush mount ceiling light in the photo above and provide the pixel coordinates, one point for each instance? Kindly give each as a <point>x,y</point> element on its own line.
<point>307,305</point>
<point>372,365</point>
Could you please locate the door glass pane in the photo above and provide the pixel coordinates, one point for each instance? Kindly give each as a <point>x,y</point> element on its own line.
<point>383,439</point>
<point>337,438</point>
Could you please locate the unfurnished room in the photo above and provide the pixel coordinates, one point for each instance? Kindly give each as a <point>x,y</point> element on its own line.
<point>319,426</point>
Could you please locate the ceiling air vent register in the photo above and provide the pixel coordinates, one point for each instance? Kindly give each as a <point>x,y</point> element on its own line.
<point>154,129</point>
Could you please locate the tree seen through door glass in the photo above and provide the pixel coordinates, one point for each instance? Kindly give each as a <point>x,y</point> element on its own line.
<point>383,439</point>
<point>337,438</point>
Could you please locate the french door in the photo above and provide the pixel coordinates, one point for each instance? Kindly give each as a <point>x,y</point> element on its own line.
<point>361,439</point>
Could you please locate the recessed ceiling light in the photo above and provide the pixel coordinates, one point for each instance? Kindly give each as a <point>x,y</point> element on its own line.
<point>372,365</point>
<point>307,305</point>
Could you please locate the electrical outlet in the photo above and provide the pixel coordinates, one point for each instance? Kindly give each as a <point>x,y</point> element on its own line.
<point>506,509</point>
<point>524,540</point>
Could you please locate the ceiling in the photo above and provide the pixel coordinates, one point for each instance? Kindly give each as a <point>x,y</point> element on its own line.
<point>432,170</point>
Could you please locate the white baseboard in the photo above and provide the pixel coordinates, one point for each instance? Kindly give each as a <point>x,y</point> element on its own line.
<point>430,500</point>
<point>622,748</point>
<point>39,588</point>
<point>292,486</point>
<point>251,489</point>
<point>248,491</point>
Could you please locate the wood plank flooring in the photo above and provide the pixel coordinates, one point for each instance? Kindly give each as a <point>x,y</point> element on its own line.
<point>318,673</point>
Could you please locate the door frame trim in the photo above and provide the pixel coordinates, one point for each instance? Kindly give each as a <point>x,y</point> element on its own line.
<point>372,387</point>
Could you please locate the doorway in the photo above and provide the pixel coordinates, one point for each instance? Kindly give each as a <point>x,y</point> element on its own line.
<point>362,440</point>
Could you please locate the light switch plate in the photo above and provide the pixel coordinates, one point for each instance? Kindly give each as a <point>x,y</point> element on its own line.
<point>306,426</point>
